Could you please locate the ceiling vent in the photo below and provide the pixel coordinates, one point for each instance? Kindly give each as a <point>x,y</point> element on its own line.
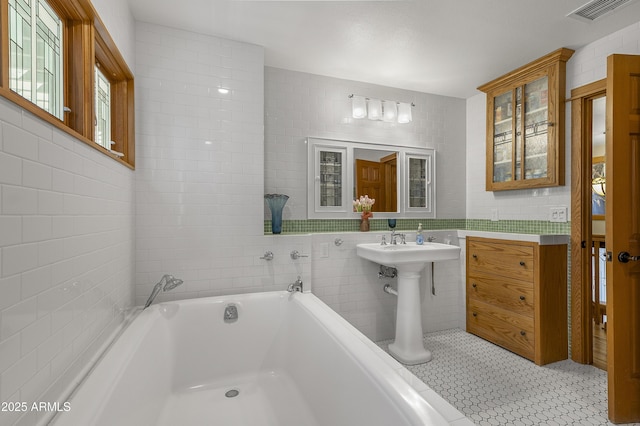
<point>596,9</point>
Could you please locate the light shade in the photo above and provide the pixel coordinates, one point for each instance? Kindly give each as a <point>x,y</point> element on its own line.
<point>374,109</point>
<point>598,185</point>
<point>404,113</point>
<point>358,107</point>
<point>390,111</point>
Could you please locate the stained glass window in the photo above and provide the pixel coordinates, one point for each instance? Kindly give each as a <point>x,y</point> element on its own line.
<point>35,54</point>
<point>103,110</point>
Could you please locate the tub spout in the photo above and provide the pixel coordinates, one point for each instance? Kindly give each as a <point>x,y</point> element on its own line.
<point>296,286</point>
<point>167,283</point>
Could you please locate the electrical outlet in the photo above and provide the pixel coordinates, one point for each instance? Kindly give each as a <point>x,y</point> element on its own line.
<point>494,215</point>
<point>324,249</point>
<point>558,214</point>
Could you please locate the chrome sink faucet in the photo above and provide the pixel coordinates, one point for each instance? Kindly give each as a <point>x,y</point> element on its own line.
<point>395,235</point>
<point>295,286</point>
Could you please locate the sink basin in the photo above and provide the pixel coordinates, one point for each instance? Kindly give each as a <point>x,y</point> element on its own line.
<point>409,259</point>
<point>402,254</point>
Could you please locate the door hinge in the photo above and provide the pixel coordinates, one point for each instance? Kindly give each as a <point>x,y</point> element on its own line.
<point>609,256</point>
<point>583,244</point>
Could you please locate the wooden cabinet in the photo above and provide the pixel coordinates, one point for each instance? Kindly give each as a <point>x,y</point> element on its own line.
<point>525,125</point>
<point>517,296</point>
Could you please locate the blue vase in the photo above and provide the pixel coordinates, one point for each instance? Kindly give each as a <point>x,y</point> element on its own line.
<point>276,203</point>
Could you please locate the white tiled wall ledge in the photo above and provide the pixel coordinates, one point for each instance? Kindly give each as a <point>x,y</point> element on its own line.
<point>542,239</point>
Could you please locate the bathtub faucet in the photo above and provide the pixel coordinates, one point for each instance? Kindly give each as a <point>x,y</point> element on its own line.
<point>296,286</point>
<point>167,283</point>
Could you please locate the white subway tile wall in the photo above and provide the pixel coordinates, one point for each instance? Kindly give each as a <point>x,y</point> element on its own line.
<point>299,105</point>
<point>66,257</point>
<point>588,64</point>
<point>200,162</point>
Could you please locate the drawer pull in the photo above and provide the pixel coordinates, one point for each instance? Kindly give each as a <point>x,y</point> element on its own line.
<point>474,314</point>
<point>522,333</point>
<point>474,285</point>
<point>475,256</point>
<point>522,297</point>
<point>522,263</point>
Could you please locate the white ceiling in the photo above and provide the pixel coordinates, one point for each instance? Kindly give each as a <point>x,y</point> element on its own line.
<point>446,47</point>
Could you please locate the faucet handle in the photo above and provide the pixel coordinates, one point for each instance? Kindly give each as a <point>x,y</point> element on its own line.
<point>268,255</point>
<point>295,254</point>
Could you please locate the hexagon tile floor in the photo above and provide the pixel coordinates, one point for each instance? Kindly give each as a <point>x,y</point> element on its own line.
<point>493,386</point>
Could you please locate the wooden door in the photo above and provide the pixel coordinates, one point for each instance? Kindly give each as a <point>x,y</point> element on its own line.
<point>370,181</point>
<point>623,236</point>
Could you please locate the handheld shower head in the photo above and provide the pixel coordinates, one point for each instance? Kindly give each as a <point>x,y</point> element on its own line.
<point>172,283</point>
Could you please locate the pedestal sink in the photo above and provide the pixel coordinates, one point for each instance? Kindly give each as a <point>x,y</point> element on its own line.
<point>409,259</point>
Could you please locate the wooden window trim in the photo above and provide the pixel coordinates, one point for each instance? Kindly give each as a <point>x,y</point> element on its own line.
<point>86,40</point>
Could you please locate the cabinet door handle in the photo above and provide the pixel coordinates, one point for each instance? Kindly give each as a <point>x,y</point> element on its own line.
<point>474,285</point>
<point>475,256</point>
<point>522,297</point>
<point>474,314</point>
<point>522,333</point>
<point>522,263</point>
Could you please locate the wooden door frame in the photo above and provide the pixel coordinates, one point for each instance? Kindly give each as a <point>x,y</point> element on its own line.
<point>581,152</point>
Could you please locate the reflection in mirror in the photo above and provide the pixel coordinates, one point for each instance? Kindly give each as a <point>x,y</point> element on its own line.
<point>376,175</point>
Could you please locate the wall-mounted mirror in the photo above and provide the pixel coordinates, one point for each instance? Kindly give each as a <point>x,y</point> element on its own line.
<point>376,175</point>
<point>400,179</point>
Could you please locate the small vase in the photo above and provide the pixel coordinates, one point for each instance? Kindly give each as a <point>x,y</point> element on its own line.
<point>364,225</point>
<point>276,203</point>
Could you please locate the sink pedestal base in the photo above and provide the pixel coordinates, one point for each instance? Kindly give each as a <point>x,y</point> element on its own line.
<point>407,346</point>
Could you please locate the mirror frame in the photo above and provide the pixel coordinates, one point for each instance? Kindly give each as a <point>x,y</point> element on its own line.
<point>346,211</point>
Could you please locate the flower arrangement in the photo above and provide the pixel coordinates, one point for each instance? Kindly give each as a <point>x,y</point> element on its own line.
<point>363,205</point>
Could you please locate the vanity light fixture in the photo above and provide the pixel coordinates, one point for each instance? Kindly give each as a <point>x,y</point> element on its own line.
<point>377,109</point>
<point>223,90</point>
<point>390,111</point>
<point>374,109</point>
<point>358,106</point>
<point>404,113</point>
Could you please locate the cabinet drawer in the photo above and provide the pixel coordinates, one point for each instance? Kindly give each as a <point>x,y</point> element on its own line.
<point>508,260</point>
<point>507,329</point>
<point>512,295</point>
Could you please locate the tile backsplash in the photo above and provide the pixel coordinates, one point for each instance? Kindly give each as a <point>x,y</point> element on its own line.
<point>353,225</point>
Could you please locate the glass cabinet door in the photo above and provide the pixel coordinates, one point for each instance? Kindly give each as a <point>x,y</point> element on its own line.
<point>520,142</point>
<point>330,179</point>
<point>536,122</point>
<point>420,183</point>
<point>503,137</point>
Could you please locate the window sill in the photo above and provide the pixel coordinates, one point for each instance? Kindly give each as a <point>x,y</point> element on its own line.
<point>43,115</point>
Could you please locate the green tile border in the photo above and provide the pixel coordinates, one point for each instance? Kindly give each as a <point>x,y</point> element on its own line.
<point>313,226</point>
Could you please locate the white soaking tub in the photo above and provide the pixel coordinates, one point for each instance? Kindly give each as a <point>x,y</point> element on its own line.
<point>289,359</point>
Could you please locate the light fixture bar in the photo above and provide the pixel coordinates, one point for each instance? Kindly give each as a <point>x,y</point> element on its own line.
<point>383,100</point>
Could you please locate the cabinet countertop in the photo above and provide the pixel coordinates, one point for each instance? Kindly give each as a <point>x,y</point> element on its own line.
<point>542,239</point>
